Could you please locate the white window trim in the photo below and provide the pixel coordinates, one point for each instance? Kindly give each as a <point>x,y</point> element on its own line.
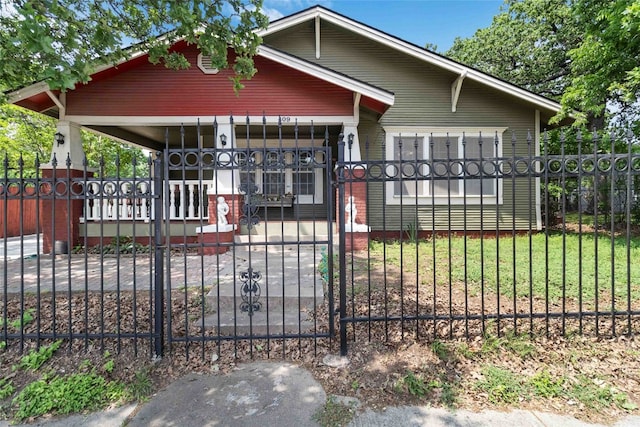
<point>455,133</point>
<point>307,199</point>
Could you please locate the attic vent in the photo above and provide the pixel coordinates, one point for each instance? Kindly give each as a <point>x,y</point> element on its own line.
<point>204,63</point>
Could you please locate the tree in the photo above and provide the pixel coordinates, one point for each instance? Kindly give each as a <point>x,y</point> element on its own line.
<point>24,135</point>
<point>526,44</point>
<point>63,41</point>
<point>28,136</point>
<point>583,53</point>
<point>605,78</point>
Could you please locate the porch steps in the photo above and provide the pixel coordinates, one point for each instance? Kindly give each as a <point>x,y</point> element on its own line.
<point>290,288</point>
<point>283,231</point>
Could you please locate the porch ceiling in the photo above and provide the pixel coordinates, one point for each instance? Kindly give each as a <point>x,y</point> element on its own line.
<point>153,137</point>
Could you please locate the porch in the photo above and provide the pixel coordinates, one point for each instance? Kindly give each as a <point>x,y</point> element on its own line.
<point>125,208</point>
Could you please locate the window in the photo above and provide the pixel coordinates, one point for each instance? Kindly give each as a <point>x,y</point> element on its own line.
<point>280,175</point>
<point>456,159</point>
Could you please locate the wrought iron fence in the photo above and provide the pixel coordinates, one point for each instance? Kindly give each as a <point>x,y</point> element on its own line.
<point>445,237</point>
<point>549,248</point>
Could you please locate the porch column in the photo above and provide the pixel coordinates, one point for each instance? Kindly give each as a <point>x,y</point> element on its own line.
<point>60,213</point>
<point>225,201</point>
<point>355,203</point>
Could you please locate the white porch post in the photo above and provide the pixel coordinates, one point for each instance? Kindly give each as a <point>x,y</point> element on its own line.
<point>225,203</point>
<point>70,145</point>
<point>225,182</point>
<point>352,143</point>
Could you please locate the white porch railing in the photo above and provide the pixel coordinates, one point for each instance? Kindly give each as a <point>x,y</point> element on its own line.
<point>113,200</point>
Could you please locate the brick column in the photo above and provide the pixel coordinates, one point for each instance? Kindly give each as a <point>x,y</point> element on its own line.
<point>59,212</point>
<point>234,201</point>
<point>356,239</point>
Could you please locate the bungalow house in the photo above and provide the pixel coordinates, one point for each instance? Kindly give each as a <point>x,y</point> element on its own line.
<point>318,69</point>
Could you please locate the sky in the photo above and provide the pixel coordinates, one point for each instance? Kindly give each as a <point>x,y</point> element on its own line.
<point>420,22</point>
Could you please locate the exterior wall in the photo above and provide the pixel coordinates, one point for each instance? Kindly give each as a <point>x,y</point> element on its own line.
<point>18,215</point>
<point>423,98</point>
<point>152,90</point>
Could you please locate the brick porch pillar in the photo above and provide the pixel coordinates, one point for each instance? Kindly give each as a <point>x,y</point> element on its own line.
<point>356,228</point>
<point>59,212</point>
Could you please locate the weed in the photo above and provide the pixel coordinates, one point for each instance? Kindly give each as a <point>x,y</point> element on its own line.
<point>323,266</point>
<point>520,344</point>
<point>546,386</point>
<point>6,388</point>
<point>334,413</point>
<point>37,358</point>
<point>501,385</point>
<point>490,345</point>
<point>53,394</point>
<point>24,320</point>
<point>141,386</point>
<point>449,395</point>
<point>412,232</point>
<point>440,349</point>
<point>415,385</point>
<point>466,352</point>
<point>355,385</point>
<point>598,396</point>
<point>108,366</point>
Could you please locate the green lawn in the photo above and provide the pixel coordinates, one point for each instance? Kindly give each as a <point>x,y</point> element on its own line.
<point>530,270</point>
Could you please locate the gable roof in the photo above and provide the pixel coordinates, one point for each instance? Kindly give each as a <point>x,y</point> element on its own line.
<point>432,58</point>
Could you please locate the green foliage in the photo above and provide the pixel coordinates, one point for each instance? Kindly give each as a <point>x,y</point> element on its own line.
<point>526,44</point>
<point>440,349</point>
<point>582,53</point>
<point>605,65</point>
<point>54,394</point>
<point>449,395</point>
<point>6,388</point>
<point>544,385</point>
<point>598,396</point>
<point>36,358</point>
<point>140,387</point>
<point>502,386</point>
<point>26,138</point>
<point>24,320</point>
<point>63,42</point>
<point>415,385</point>
<point>412,232</point>
<point>323,266</point>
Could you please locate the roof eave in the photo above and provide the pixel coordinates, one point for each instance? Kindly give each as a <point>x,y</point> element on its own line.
<point>412,50</point>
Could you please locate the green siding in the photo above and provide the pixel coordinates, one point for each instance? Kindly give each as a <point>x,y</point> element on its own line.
<point>423,98</point>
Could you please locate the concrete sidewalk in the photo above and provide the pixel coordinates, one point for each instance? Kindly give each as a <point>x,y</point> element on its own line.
<point>263,394</point>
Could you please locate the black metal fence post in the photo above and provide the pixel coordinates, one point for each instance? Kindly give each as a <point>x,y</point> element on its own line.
<point>342,246</point>
<point>158,327</point>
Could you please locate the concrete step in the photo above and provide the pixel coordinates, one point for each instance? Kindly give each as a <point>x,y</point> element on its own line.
<point>276,229</point>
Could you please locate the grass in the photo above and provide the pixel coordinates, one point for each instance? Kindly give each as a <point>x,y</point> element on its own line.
<point>521,273</point>
<point>504,387</point>
<point>501,385</point>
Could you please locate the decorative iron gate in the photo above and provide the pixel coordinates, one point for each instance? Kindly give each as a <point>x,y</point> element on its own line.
<point>257,265</point>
